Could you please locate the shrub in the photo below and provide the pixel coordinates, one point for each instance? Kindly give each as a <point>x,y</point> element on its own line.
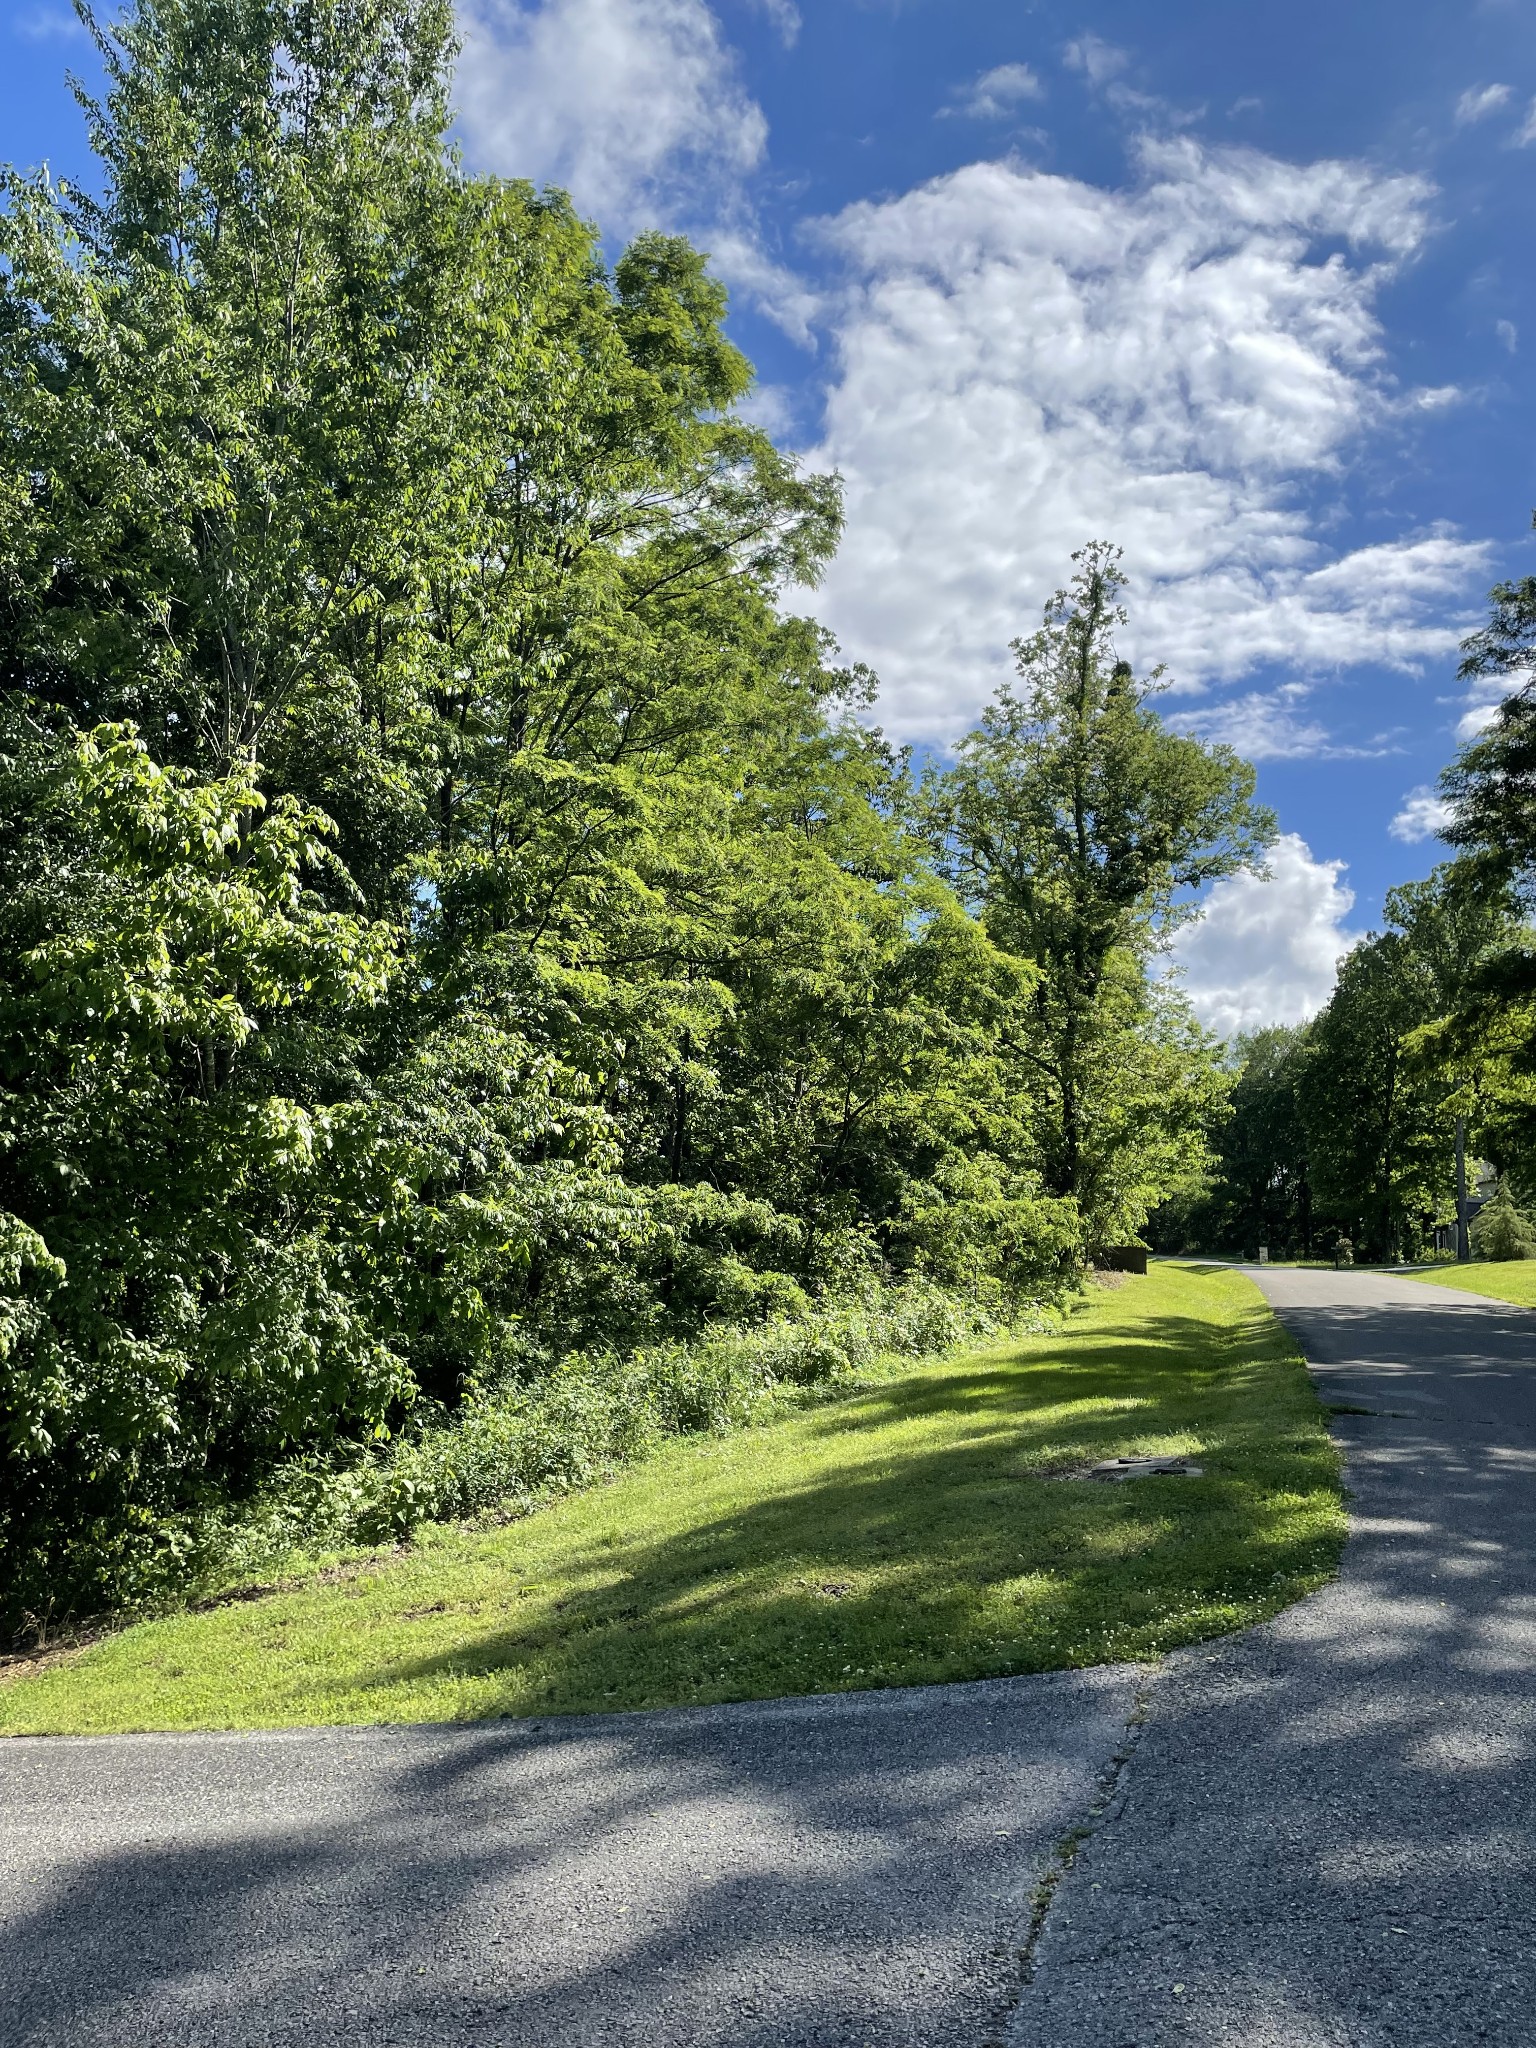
<point>1499,1231</point>
<point>529,1440</point>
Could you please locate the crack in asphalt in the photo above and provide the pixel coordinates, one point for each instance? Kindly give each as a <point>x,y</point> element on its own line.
<point>829,1872</point>
<point>1223,1854</point>
<point>1329,1836</point>
<point>1102,1809</point>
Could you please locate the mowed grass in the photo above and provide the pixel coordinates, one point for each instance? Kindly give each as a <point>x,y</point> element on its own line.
<point>915,1532</point>
<point>1500,1279</point>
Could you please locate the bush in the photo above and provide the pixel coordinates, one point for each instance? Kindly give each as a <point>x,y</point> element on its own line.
<point>1499,1231</point>
<point>527,1441</point>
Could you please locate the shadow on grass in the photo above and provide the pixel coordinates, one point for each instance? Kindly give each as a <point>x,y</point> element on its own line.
<point>807,1871</point>
<point>851,1871</point>
<point>1369,1766</point>
<point>904,1560</point>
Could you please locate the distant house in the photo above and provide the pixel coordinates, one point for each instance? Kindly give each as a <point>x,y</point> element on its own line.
<point>1482,1184</point>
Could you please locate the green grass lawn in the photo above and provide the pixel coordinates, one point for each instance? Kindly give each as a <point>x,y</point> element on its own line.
<point>915,1532</point>
<point>1501,1279</point>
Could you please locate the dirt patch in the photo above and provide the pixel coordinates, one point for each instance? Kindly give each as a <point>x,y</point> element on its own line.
<point>16,1665</point>
<point>332,1575</point>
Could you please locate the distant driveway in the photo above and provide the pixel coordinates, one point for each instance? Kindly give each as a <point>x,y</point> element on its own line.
<point>1327,1837</point>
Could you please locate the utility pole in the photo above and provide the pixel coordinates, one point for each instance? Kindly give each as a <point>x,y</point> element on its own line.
<point>1463,1240</point>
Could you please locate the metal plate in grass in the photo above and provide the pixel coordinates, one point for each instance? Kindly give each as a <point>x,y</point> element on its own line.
<point>1119,1469</point>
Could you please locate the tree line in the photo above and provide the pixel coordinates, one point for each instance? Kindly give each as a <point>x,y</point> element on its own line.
<point>1341,1132</point>
<point>467,959</point>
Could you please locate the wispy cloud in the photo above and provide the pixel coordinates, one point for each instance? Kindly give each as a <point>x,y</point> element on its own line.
<point>996,93</point>
<point>784,16</point>
<point>1104,66</point>
<point>47,25</point>
<point>1479,101</point>
<point>1271,726</point>
<point>1098,61</point>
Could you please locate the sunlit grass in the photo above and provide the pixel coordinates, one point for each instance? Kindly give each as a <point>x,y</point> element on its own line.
<point>1500,1279</point>
<point>926,1530</point>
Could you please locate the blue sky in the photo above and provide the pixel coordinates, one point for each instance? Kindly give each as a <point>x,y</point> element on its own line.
<point>1246,289</point>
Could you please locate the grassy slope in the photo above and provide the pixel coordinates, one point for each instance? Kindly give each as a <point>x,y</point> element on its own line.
<point>908,1534</point>
<point>1500,1279</point>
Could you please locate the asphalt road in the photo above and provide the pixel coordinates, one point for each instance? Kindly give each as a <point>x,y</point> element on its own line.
<point>1327,1835</point>
<point>852,1869</point>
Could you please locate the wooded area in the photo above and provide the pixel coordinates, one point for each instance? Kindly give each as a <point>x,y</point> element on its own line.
<point>1341,1131</point>
<point>464,947</point>
<point>477,992</point>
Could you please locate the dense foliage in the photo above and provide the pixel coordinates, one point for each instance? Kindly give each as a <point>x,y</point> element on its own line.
<point>1079,827</point>
<point>1344,1129</point>
<point>465,950</point>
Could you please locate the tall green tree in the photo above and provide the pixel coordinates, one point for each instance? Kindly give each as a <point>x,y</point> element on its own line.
<point>1347,1126</point>
<point>1491,785</point>
<point>1261,1189</point>
<point>1081,829</point>
<point>221,368</point>
<point>1375,1132</point>
<point>454,912</point>
<point>1483,1042</point>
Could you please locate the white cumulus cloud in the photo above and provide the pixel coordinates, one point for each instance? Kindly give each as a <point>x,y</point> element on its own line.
<point>626,103</point>
<point>1483,699</point>
<point>1266,951</point>
<point>1026,362</point>
<point>1479,101</point>
<point>636,108</point>
<point>997,92</point>
<point>1424,813</point>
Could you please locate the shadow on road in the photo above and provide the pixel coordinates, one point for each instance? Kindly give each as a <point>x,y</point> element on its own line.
<point>852,1869</point>
<point>1328,1834</point>
<point>1330,1830</point>
<point>802,1874</point>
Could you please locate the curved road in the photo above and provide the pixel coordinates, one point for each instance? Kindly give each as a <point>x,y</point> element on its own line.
<point>1325,1835</point>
